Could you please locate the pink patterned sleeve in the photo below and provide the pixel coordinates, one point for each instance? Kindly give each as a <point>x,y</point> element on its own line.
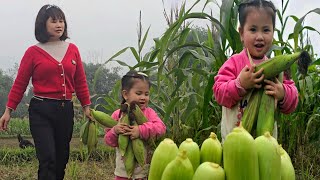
<point>110,137</point>
<point>226,90</point>
<point>291,99</point>
<point>154,127</point>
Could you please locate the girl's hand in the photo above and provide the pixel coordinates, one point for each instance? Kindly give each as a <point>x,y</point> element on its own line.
<point>250,79</point>
<point>274,89</point>
<point>132,132</point>
<point>120,128</point>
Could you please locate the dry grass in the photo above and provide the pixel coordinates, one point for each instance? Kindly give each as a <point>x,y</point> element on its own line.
<point>75,170</point>
<point>92,169</point>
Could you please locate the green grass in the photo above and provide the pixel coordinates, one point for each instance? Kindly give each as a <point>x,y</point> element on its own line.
<point>21,126</point>
<point>16,163</point>
<point>76,170</point>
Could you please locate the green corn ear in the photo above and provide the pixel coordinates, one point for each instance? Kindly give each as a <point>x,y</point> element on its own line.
<point>277,113</point>
<point>276,65</point>
<point>192,150</point>
<point>211,150</point>
<point>240,156</point>
<point>103,118</point>
<point>84,132</point>
<point>265,121</point>
<point>287,169</point>
<point>129,160</point>
<point>250,114</point>
<point>92,137</point>
<point>166,151</point>
<point>268,157</point>
<point>122,139</point>
<point>139,151</point>
<point>179,168</point>
<point>140,118</point>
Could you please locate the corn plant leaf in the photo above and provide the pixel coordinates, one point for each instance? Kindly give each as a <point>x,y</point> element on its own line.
<point>207,60</point>
<point>185,59</point>
<point>225,19</point>
<point>207,2</point>
<point>135,54</point>
<point>176,48</point>
<point>158,108</point>
<point>98,71</point>
<point>207,97</point>
<point>143,40</point>
<point>235,41</point>
<point>201,72</point>
<point>190,109</point>
<point>153,55</point>
<point>298,26</point>
<point>210,41</point>
<point>180,75</point>
<point>122,63</point>
<point>183,36</point>
<point>170,107</point>
<point>316,62</point>
<point>145,64</point>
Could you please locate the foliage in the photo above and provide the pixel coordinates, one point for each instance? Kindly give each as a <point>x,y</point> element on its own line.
<point>5,82</point>
<point>17,126</point>
<point>9,156</point>
<point>21,126</point>
<point>182,67</point>
<point>106,80</point>
<point>176,66</point>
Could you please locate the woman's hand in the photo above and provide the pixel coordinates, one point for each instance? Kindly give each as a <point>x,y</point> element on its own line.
<point>87,112</point>
<point>4,120</point>
<point>250,79</point>
<point>274,89</point>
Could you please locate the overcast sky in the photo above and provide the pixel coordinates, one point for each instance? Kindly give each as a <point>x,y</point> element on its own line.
<point>100,28</point>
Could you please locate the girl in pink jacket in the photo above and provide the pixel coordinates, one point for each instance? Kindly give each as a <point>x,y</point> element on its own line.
<point>237,75</point>
<point>135,88</point>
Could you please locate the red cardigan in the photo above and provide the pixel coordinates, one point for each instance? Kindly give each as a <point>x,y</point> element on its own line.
<point>50,78</point>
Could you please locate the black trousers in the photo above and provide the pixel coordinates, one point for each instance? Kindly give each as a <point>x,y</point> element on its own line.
<point>51,126</point>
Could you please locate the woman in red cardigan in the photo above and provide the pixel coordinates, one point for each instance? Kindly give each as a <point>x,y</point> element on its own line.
<point>57,73</point>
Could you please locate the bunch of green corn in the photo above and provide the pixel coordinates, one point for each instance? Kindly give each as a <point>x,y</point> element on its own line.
<point>89,135</point>
<point>260,112</point>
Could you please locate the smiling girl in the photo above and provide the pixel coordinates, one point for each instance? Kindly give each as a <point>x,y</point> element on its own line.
<point>237,75</point>
<point>135,88</point>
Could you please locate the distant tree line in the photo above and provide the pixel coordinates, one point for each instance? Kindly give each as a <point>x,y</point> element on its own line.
<point>104,83</point>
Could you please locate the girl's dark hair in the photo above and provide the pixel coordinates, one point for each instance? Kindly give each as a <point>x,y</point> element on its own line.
<point>127,83</point>
<point>246,4</point>
<point>44,14</point>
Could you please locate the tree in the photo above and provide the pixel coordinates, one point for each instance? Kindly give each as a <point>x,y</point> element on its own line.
<point>106,78</point>
<point>5,85</point>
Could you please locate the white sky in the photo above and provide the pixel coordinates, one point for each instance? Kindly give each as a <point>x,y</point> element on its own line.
<point>100,28</point>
